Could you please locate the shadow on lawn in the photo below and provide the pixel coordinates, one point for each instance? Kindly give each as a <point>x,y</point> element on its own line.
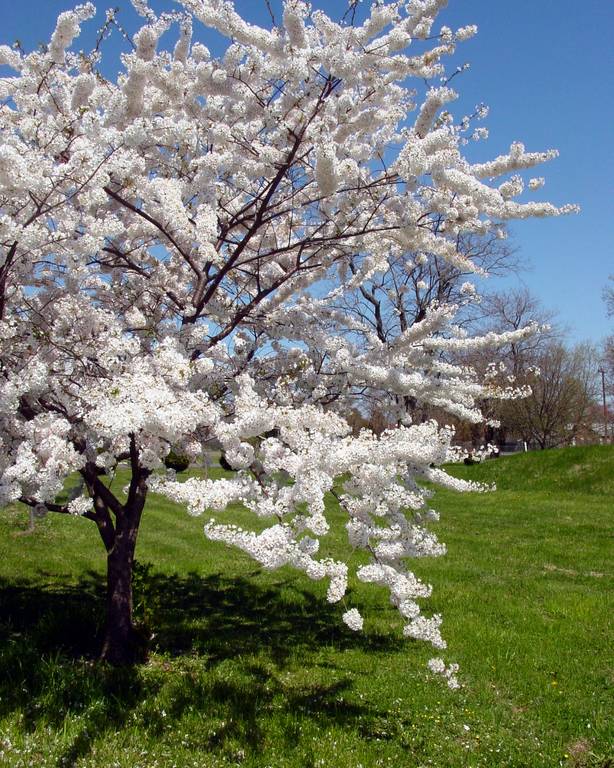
<point>222,644</point>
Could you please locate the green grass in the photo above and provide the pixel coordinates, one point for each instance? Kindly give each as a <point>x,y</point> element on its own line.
<point>256,669</point>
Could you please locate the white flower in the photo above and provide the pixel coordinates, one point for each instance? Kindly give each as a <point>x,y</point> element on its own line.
<point>537,182</point>
<point>437,666</point>
<point>80,505</point>
<point>465,33</point>
<point>353,619</point>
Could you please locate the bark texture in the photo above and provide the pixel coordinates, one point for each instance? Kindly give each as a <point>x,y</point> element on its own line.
<point>123,644</point>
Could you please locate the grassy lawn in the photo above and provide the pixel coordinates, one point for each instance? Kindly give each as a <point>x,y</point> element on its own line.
<point>255,669</point>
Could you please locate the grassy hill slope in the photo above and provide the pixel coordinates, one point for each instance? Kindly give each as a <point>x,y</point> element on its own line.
<point>580,469</point>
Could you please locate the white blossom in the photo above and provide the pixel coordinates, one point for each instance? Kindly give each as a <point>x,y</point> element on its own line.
<point>80,505</point>
<point>67,28</point>
<point>353,619</point>
<point>465,33</point>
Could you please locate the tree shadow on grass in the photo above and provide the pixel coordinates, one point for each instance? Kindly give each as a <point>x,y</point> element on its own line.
<point>221,618</point>
<point>220,646</point>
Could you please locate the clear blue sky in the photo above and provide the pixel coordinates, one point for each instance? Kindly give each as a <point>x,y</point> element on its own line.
<point>545,68</point>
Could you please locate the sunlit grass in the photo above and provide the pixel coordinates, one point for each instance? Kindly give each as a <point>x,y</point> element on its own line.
<point>256,669</point>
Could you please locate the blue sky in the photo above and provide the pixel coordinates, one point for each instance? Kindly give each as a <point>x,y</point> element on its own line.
<point>545,68</point>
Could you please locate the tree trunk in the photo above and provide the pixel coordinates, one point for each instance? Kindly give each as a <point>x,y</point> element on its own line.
<point>123,645</point>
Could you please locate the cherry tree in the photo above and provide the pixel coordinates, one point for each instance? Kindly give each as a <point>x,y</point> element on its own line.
<point>177,246</point>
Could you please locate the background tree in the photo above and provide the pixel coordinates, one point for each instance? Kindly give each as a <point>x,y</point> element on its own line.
<point>511,310</point>
<point>608,296</point>
<point>176,247</point>
<point>562,399</point>
<point>606,364</point>
<point>514,363</point>
<point>562,380</point>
